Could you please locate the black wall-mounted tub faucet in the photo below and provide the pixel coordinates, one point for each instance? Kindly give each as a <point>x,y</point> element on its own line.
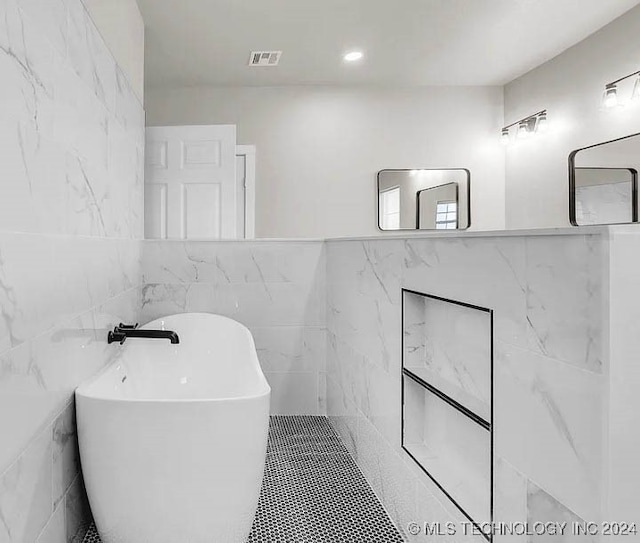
<point>123,331</point>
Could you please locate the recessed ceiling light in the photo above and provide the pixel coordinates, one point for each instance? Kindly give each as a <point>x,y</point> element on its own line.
<point>352,56</point>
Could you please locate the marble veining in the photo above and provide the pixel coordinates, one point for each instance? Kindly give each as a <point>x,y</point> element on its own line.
<point>498,281</point>
<point>65,456</point>
<point>366,296</point>
<point>89,56</point>
<point>50,19</point>
<point>220,263</point>
<point>542,507</point>
<point>548,412</point>
<point>25,494</point>
<point>564,303</point>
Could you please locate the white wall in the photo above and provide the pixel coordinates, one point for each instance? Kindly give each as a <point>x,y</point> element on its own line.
<point>122,27</point>
<point>319,148</point>
<point>570,87</point>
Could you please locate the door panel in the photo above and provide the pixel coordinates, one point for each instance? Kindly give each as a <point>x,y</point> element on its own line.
<point>156,154</point>
<point>190,182</point>
<point>201,210</point>
<point>201,154</point>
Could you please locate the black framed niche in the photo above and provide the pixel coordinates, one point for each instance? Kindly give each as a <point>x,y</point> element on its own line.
<point>447,398</point>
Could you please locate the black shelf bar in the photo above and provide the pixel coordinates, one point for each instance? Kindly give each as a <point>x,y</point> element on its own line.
<point>447,300</point>
<point>453,403</point>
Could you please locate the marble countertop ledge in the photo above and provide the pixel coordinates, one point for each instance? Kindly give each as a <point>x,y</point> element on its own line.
<point>462,234</point>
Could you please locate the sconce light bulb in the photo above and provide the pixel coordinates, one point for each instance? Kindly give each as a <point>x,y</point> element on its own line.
<point>542,124</point>
<point>610,97</point>
<point>635,95</point>
<point>505,136</point>
<point>523,130</point>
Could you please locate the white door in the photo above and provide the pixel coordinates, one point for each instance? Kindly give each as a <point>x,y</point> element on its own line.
<point>190,182</point>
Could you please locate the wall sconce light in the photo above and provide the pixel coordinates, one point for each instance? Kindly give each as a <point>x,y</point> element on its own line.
<point>542,124</point>
<point>527,126</point>
<point>523,131</point>
<point>610,96</point>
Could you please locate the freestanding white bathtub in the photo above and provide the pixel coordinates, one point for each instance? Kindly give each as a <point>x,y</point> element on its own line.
<point>173,437</point>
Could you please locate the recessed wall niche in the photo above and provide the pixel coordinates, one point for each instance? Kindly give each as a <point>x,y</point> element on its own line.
<point>447,366</point>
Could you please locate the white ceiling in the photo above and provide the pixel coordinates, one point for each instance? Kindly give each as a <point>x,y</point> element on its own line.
<point>406,42</point>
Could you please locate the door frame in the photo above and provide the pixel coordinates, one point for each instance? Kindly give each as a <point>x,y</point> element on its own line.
<point>249,154</point>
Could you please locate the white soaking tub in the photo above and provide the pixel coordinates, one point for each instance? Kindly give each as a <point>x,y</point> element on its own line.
<point>173,437</point>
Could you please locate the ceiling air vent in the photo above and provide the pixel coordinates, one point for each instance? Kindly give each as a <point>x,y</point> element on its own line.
<point>264,58</point>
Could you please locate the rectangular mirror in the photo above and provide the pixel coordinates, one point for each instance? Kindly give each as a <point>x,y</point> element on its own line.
<point>603,183</point>
<point>424,199</point>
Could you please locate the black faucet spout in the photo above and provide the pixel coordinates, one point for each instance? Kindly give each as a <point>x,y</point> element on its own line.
<point>122,332</point>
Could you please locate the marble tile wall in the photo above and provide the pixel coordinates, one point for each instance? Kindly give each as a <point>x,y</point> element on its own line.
<point>72,138</point>
<point>550,391</point>
<point>275,288</point>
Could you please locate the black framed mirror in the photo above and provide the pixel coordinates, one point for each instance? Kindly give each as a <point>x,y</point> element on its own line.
<point>424,199</point>
<point>603,182</point>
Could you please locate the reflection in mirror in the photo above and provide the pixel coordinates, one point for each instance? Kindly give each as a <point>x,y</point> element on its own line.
<point>423,199</point>
<point>438,208</point>
<point>603,183</point>
<point>605,195</point>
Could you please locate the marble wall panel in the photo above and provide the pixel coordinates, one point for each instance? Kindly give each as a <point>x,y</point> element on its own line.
<point>71,204</point>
